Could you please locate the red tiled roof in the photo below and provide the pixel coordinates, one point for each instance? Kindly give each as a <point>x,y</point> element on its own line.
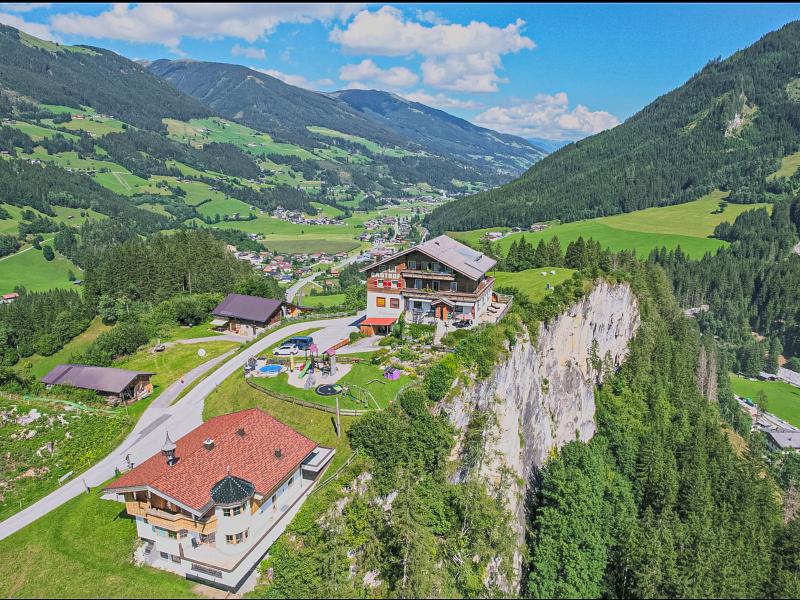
<point>251,457</point>
<point>378,321</point>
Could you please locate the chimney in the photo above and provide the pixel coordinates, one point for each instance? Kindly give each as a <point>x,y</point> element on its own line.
<point>168,450</point>
<point>208,444</point>
<point>278,453</point>
<point>240,432</point>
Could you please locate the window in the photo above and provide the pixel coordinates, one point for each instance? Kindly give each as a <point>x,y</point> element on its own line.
<point>275,502</point>
<point>237,538</point>
<point>418,284</point>
<point>412,264</point>
<point>380,301</point>
<point>176,559</point>
<point>453,286</point>
<point>164,555</point>
<point>426,266</point>
<point>394,302</point>
<point>435,285</point>
<point>232,512</point>
<point>434,266</point>
<point>291,481</point>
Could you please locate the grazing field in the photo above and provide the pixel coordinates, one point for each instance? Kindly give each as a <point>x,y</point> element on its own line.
<point>82,549</point>
<point>783,400</point>
<point>28,268</point>
<point>686,225</point>
<point>368,144</point>
<point>37,133</point>
<point>531,282</point>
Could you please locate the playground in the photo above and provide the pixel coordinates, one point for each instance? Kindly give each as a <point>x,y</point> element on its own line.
<point>360,385</point>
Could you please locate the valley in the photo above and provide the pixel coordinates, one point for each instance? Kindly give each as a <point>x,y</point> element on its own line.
<point>261,337</point>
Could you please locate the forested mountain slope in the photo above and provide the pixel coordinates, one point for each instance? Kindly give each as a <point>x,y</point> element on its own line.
<point>286,112</point>
<point>266,103</point>
<point>727,128</point>
<point>81,75</point>
<point>442,132</point>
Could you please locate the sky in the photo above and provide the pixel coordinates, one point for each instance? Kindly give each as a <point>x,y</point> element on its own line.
<point>547,71</point>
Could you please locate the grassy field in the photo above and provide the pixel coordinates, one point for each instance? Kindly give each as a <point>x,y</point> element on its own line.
<point>323,301</point>
<point>82,549</point>
<point>686,225</point>
<point>172,363</point>
<point>532,282</point>
<point>29,268</point>
<point>39,366</point>
<point>783,400</point>
<point>789,166</point>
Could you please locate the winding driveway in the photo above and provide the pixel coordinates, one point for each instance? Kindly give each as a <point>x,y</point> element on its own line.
<point>160,417</point>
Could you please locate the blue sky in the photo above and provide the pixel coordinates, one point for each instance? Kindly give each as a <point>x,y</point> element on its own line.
<point>546,71</point>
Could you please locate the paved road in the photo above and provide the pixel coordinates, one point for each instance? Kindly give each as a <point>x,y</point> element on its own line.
<point>295,288</point>
<point>160,417</point>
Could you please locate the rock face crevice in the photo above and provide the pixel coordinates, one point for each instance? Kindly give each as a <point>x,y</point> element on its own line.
<point>542,395</point>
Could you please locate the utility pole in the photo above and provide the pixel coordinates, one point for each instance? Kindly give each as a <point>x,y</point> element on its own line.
<point>338,419</point>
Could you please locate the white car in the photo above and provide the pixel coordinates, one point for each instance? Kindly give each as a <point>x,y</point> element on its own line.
<point>286,350</point>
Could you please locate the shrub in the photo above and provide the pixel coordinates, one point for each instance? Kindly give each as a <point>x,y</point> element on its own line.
<point>440,377</point>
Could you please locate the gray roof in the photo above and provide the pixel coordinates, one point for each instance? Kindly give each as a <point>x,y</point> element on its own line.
<point>101,379</point>
<point>247,308</point>
<point>785,438</point>
<point>232,490</point>
<point>456,255</point>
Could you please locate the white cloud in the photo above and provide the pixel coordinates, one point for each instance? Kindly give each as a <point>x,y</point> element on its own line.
<point>456,57</point>
<point>38,30</point>
<point>429,16</point>
<point>296,80</point>
<point>168,23</point>
<point>441,100</point>
<point>249,52</point>
<point>547,116</point>
<point>367,70</point>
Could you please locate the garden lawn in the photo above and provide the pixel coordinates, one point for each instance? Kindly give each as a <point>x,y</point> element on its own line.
<point>367,376</point>
<point>324,301</point>
<point>783,400</point>
<point>83,549</point>
<point>531,282</point>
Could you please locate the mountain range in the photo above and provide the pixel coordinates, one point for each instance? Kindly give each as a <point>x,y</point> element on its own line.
<point>285,111</point>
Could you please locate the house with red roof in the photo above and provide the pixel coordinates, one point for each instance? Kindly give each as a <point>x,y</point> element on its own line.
<point>210,504</point>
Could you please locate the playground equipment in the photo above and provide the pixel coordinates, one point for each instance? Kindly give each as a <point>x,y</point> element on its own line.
<point>361,395</point>
<point>329,390</point>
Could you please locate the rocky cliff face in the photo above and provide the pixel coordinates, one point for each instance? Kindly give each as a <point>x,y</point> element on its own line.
<point>542,395</point>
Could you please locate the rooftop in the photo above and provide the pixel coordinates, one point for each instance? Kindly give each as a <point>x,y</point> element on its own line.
<point>101,379</point>
<point>247,308</point>
<point>245,445</point>
<point>452,253</point>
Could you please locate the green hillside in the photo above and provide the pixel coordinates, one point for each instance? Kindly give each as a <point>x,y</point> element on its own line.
<point>727,128</point>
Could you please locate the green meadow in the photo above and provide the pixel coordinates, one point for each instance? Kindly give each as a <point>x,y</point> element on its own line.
<point>783,400</point>
<point>28,268</point>
<point>688,225</point>
<point>531,282</point>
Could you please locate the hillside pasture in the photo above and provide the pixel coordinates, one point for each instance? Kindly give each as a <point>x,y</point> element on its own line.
<point>688,226</point>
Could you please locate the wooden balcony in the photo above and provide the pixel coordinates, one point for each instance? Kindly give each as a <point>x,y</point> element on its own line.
<point>170,521</point>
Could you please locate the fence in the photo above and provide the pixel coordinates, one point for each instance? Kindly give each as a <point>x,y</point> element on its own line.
<point>345,412</point>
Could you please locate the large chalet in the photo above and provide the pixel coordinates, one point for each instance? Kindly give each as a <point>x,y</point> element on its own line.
<point>210,505</point>
<point>438,279</point>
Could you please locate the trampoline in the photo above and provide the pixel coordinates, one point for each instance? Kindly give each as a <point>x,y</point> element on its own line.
<point>329,390</point>
<point>271,369</point>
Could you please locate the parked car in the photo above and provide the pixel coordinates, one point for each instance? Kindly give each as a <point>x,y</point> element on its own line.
<point>301,341</point>
<point>286,349</point>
